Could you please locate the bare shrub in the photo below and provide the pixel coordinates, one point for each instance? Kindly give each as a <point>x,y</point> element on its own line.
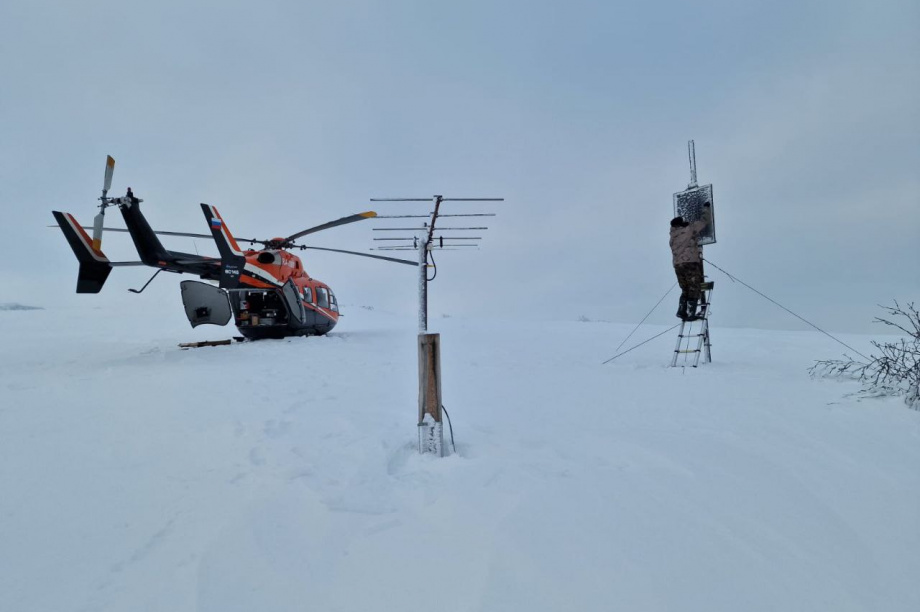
<point>895,369</point>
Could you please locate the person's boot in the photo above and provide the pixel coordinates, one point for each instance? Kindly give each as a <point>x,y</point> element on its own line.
<point>691,310</point>
<point>682,308</point>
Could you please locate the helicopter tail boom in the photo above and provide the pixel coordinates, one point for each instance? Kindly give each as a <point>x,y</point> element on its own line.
<point>94,265</point>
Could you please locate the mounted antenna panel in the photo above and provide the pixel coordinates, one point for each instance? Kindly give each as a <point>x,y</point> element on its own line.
<point>689,203</point>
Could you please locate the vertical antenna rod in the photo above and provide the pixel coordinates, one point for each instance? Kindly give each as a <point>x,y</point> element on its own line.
<point>691,153</point>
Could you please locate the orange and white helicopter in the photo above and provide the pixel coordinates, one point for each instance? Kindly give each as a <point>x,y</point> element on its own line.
<point>266,291</point>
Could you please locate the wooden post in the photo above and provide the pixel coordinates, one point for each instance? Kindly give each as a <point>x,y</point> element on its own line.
<point>430,427</point>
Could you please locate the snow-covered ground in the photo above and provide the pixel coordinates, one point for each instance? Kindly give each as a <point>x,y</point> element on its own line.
<point>282,475</point>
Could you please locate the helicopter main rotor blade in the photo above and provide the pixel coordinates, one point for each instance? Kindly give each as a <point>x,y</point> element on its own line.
<point>349,219</point>
<point>162,233</point>
<point>393,259</point>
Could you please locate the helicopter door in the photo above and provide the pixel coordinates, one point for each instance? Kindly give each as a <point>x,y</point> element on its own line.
<point>292,297</point>
<point>205,304</point>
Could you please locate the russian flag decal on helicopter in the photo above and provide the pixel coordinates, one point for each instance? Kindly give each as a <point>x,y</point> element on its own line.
<point>222,236</point>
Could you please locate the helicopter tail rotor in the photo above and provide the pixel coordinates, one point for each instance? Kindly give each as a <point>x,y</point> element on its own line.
<point>97,229</point>
<point>100,217</point>
<point>109,170</point>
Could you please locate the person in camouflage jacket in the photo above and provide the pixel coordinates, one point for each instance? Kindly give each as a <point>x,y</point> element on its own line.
<point>688,262</point>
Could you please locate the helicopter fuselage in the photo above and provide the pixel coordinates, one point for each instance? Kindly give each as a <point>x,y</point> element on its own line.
<point>303,306</point>
<point>270,293</point>
<point>266,291</point>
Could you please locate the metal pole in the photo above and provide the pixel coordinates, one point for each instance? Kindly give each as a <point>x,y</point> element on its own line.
<point>424,244</point>
<point>423,283</point>
<point>691,153</point>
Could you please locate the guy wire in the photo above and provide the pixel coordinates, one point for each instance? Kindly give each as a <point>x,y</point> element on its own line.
<point>645,317</point>
<point>735,278</point>
<point>640,344</point>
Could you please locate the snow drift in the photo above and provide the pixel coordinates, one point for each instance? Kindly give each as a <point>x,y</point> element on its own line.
<point>282,475</point>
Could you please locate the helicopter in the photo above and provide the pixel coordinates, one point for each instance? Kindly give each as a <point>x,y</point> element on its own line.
<point>266,291</point>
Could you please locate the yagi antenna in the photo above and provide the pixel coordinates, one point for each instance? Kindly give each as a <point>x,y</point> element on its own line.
<point>413,229</point>
<point>448,237</point>
<point>430,406</point>
<point>425,241</point>
<point>428,216</point>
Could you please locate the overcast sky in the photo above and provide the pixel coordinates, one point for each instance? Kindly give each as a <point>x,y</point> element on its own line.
<point>806,117</point>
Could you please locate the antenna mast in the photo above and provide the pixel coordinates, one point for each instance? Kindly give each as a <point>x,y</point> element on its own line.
<point>691,153</point>
<point>430,408</point>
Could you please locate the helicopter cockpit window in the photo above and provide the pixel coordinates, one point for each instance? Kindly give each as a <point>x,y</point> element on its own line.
<point>308,295</point>
<point>322,297</point>
<point>333,303</point>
